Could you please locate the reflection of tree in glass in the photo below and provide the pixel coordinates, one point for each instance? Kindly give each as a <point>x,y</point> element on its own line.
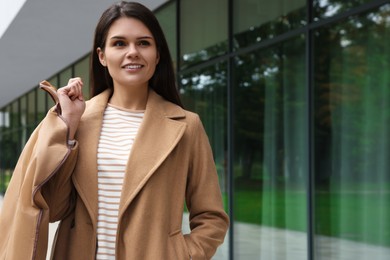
<point>269,99</point>
<point>271,29</point>
<point>329,8</point>
<point>204,91</point>
<point>352,95</point>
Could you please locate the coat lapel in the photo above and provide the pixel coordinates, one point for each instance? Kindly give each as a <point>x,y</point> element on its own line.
<point>85,175</point>
<point>157,137</point>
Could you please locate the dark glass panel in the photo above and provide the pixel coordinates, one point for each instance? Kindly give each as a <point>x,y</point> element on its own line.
<point>55,81</point>
<point>255,21</point>
<point>64,77</point>
<point>167,19</point>
<point>31,108</point>
<point>270,159</point>
<point>203,30</point>
<point>23,120</point>
<point>7,162</point>
<point>3,126</point>
<point>329,8</point>
<point>15,115</point>
<point>204,92</point>
<point>42,98</point>
<point>81,69</point>
<point>352,144</point>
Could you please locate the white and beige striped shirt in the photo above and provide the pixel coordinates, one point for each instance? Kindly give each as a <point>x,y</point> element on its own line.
<point>120,126</point>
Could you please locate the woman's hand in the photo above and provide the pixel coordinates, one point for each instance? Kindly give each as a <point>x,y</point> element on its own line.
<point>72,104</point>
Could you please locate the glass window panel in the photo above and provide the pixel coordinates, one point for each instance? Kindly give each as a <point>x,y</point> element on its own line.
<point>57,83</point>
<point>270,157</point>
<point>9,144</point>
<point>203,30</point>
<point>23,110</point>
<point>10,149</point>
<point>42,98</point>
<point>23,119</point>
<point>64,77</point>
<point>254,21</point>
<point>2,120</point>
<point>31,109</point>
<point>352,144</point>
<point>167,19</point>
<point>329,8</point>
<point>7,161</point>
<point>17,136</point>
<point>3,125</point>
<point>6,118</point>
<point>204,92</point>
<point>15,115</point>
<point>81,69</point>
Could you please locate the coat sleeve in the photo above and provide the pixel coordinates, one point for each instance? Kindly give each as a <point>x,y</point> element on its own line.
<point>208,220</point>
<point>26,211</point>
<point>55,162</point>
<point>57,189</point>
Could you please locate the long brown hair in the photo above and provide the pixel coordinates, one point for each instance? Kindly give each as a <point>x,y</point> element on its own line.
<point>163,81</point>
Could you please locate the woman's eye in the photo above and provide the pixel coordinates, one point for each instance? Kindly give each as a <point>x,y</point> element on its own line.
<point>143,43</point>
<point>119,43</point>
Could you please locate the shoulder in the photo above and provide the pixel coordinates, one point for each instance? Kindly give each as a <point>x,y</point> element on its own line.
<point>192,117</point>
<point>178,113</point>
<point>158,104</point>
<point>160,107</point>
<point>100,99</point>
<point>97,104</point>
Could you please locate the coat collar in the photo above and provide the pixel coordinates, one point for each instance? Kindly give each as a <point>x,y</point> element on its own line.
<point>156,105</point>
<point>157,136</point>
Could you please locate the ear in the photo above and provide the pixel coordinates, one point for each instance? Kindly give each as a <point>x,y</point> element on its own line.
<point>157,58</point>
<point>102,57</point>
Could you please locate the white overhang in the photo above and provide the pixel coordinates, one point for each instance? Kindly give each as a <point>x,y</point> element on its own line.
<point>44,37</point>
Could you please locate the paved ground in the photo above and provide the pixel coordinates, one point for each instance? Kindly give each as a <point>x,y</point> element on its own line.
<point>258,242</point>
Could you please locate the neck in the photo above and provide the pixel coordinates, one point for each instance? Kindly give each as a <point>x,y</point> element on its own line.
<point>133,99</point>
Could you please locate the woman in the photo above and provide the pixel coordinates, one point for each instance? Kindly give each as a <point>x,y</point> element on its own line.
<point>116,170</point>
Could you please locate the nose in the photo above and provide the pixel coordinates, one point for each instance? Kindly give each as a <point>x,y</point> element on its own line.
<point>132,51</point>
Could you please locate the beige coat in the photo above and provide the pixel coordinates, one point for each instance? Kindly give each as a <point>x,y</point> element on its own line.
<point>170,163</point>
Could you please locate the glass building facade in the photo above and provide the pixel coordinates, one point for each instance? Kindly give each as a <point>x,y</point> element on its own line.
<point>295,98</point>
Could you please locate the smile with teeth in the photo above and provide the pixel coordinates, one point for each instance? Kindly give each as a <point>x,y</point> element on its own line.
<point>133,66</point>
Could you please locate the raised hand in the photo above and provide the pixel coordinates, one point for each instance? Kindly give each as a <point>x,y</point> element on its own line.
<point>72,103</point>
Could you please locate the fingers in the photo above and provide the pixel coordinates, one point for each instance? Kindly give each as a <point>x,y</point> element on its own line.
<point>73,90</point>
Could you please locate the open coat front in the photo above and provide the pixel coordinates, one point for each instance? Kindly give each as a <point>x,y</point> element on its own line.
<point>170,163</point>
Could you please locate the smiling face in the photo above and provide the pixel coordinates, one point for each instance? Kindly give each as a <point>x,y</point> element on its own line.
<point>130,53</point>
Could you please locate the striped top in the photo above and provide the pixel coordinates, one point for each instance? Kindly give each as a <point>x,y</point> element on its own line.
<point>117,136</point>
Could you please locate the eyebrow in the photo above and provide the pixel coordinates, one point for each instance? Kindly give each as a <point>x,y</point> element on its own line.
<point>116,37</point>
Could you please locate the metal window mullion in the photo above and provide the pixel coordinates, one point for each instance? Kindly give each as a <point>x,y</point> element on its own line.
<point>310,141</point>
<point>230,128</point>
